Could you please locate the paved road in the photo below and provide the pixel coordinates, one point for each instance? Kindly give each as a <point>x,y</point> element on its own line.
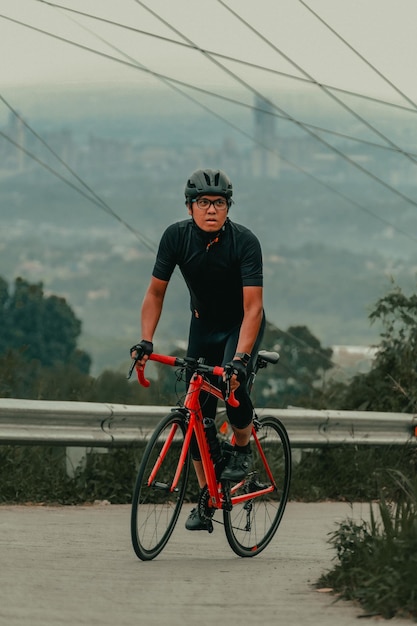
<point>75,566</point>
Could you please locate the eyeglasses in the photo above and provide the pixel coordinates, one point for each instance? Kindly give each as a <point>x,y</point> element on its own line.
<point>205,203</point>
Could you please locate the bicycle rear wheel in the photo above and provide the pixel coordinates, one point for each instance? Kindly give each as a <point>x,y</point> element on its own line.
<point>251,525</point>
<point>155,508</point>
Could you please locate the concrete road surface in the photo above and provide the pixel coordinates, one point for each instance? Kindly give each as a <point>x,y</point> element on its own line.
<point>75,565</point>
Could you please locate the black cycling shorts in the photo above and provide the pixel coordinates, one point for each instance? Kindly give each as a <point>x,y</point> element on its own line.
<point>218,347</point>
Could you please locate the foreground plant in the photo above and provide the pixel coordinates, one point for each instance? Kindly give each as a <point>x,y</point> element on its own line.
<point>377,560</point>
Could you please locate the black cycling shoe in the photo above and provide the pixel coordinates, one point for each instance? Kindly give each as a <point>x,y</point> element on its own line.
<point>238,466</point>
<point>194,521</point>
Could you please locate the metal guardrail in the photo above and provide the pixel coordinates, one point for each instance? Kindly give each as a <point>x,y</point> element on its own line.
<point>90,424</point>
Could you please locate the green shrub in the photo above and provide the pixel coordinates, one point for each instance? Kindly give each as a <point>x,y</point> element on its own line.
<point>38,474</point>
<point>377,560</point>
<point>349,473</point>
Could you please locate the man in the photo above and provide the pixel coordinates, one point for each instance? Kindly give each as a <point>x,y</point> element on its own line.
<point>221,263</point>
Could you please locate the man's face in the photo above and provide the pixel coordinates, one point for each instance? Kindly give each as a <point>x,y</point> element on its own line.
<point>209,218</point>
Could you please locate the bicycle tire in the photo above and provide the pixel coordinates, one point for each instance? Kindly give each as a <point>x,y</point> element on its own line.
<point>250,526</point>
<point>155,509</point>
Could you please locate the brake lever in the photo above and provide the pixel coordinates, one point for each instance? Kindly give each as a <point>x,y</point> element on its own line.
<point>227,392</point>
<point>229,395</point>
<point>132,367</point>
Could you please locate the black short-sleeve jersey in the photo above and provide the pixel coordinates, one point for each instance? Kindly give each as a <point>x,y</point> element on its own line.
<point>215,267</point>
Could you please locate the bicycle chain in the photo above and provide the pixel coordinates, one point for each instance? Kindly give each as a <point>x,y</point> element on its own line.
<point>205,511</point>
<point>227,506</point>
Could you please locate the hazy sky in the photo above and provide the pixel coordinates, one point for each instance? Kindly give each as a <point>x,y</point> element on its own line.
<point>382,31</point>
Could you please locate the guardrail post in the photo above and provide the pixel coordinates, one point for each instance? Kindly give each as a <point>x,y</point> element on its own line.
<point>75,457</point>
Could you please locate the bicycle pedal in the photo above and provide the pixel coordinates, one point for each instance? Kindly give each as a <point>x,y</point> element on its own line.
<point>161,486</point>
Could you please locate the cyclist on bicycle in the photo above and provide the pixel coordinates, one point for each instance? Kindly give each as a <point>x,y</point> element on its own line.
<point>221,263</point>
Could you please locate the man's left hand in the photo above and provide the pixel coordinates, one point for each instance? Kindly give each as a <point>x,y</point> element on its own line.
<point>236,371</point>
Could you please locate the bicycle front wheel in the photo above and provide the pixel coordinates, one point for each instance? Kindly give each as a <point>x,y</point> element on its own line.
<point>251,525</point>
<point>155,506</point>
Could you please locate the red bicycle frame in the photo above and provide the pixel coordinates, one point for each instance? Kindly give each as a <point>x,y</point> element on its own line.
<point>195,425</point>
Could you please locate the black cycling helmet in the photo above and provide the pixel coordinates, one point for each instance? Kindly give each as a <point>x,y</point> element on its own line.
<point>213,182</point>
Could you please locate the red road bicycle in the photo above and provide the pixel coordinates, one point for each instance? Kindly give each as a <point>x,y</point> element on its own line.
<point>251,509</point>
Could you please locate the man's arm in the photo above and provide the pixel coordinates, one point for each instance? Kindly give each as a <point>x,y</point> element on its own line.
<point>252,318</point>
<point>251,323</point>
<point>152,307</point>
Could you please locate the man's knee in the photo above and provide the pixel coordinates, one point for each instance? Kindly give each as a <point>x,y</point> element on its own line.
<point>241,417</point>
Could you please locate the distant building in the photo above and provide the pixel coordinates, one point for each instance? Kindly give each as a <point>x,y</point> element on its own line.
<point>350,360</point>
<point>13,157</point>
<point>265,157</point>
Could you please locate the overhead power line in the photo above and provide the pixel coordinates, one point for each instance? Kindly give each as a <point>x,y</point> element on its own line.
<point>256,141</point>
<point>167,79</point>
<point>86,191</point>
<point>361,57</point>
<point>284,116</point>
<point>322,87</point>
<point>169,82</point>
<point>226,57</point>
<point>281,110</point>
<point>137,66</point>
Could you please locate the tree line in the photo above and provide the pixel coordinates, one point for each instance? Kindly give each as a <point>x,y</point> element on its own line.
<point>40,359</point>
